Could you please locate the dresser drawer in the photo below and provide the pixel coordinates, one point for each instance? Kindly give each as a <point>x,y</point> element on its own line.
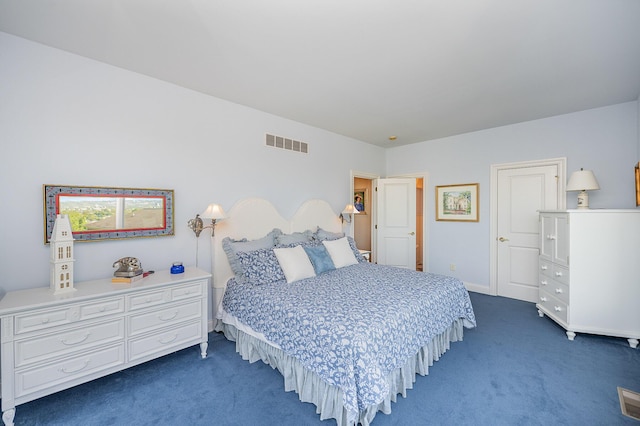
<point>554,307</point>
<point>187,291</point>
<point>48,318</point>
<point>101,308</point>
<point>148,299</point>
<point>544,282</point>
<point>555,288</point>
<point>169,294</point>
<point>41,378</point>
<point>559,290</point>
<point>546,267</point>
<point>165,340</point>
<point>67,342</point>
<point>163,317</point>
<point>561,274</point>
<point>38,320</point>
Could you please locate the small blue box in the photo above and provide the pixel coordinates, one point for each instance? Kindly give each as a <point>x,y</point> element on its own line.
<point>177,268</point>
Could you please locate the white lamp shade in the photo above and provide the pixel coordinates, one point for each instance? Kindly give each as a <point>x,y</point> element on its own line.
<point>214,211</point>
<point>582,180</point>
<point>350,209</point>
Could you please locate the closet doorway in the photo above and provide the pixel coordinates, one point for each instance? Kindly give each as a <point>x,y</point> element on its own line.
<point>364,224</point>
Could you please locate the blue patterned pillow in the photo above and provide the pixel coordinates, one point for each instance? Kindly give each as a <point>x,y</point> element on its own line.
<point>259,267</point>
<point>320,258</point>
<point>355,250</point>
<point>232,247</point>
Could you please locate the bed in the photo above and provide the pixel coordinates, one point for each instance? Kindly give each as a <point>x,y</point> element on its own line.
<point>347,335</point>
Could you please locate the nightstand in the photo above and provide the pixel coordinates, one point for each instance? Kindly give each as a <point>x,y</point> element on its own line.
<point>366,254</point>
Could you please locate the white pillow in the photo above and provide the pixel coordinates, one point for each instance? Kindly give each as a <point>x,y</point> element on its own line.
<point>294,263</point>
<point>340,252</point>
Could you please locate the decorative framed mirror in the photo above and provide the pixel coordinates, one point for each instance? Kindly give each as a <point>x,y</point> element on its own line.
<point>101,213</point>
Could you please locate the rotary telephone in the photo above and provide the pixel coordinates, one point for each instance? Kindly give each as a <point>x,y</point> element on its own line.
<point>127,267</point>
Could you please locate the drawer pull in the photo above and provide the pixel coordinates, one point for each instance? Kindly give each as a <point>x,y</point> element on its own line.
<point>103,308</point>
<point>544,267</point>
<point>559,290</point>
<point>147,300</point>
<point>75,370</point>
<point>557,308</point>
<point>543,299</point>
<point>551,237</point>
<point>164,342</point>
<point>71,343</point>
<point>543,282</point>
<point>558,274</point>
<point>45,320</point>
<point>169,318</point>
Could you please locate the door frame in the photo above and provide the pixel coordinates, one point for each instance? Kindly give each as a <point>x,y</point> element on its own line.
<point>425,228</point>
<point>370,176</point>
<point>425,213</point>
<point>560,162</point>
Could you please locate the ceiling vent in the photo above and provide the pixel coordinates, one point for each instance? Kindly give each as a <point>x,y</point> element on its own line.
<point>286,143</point>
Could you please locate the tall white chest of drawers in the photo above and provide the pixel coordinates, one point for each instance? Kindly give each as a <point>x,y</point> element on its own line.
<point>590,271</point>
<point>53,342</point>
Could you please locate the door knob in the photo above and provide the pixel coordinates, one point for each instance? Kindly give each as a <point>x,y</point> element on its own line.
<point>503,239</point>
<point>412,233</point>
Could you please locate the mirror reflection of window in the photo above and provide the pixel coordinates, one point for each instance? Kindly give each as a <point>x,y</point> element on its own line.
<point>87,213</point>
<point>102,213</point>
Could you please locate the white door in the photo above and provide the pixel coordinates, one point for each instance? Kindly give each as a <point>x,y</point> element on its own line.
<point>395,222</point>
<point>521,192</point>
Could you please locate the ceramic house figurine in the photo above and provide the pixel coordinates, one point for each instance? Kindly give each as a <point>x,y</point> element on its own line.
<point>61,243</point>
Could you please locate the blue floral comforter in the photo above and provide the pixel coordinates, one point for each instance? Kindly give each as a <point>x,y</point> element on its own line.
<point>354,325</point>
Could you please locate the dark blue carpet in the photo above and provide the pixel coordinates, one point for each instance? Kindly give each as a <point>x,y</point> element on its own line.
<point>513,369</point>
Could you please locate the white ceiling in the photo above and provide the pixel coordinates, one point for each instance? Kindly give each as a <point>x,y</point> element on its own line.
<point>368,69</point>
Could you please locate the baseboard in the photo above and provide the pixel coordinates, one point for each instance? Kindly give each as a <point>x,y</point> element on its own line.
<point>478,288</point>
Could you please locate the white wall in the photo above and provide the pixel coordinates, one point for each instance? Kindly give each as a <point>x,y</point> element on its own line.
<point>69,120</point>
<point>604,140</point>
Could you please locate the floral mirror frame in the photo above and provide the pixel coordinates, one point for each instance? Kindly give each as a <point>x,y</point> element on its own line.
<point>103,213</point>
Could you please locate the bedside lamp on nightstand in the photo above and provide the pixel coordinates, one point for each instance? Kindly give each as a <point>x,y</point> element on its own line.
<point>583,181</point>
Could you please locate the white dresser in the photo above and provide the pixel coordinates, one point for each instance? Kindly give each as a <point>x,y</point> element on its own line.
<point>590,271</point>
<point>53,342</point>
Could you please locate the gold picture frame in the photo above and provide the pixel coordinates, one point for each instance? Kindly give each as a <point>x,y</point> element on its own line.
<point>458,203</point>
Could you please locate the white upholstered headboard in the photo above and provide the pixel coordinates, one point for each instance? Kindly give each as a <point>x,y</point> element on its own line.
<point>254,218</point>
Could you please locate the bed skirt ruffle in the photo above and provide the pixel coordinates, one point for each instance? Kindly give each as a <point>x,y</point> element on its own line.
<point>328,398</point>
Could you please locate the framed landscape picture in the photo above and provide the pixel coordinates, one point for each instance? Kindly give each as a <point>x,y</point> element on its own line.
<point>458,203</point>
